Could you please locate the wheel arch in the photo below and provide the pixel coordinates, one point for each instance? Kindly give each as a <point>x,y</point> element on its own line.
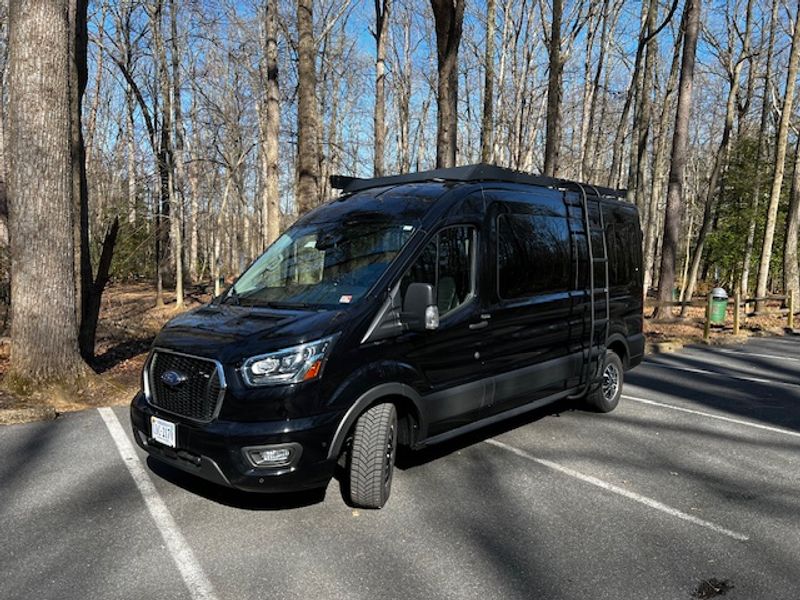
<point>409,413</point>
<point>619,345</point>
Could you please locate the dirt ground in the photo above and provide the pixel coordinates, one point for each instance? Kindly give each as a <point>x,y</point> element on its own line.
<point>129,321</point>
<point>679,331</point>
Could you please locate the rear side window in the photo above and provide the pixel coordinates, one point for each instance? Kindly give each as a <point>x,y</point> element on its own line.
<point>446,263</point>
<point>624,253</point>
<point>533,255</point>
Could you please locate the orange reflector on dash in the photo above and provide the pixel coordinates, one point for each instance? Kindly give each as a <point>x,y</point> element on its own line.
<point>313,371</point>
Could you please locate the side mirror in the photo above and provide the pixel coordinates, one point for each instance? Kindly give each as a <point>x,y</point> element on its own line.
<point>420,312</point>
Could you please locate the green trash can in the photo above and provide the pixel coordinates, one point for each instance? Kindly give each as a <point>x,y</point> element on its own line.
<point>719,305</point>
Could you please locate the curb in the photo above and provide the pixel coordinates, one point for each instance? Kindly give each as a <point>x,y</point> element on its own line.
<point>14,416</point>
<point>662,347</point>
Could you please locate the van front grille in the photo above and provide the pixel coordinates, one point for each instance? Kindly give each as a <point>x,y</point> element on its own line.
<point>187,386</point>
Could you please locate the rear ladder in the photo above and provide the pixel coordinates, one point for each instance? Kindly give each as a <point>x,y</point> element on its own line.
<point>592,235</point>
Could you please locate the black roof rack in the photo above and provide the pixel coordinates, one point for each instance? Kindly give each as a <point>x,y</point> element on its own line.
<point>467,173</point>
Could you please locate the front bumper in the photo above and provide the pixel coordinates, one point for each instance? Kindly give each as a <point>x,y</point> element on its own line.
<point>213,450</point>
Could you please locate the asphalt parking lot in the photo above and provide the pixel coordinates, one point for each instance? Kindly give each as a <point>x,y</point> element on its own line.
<point>690,489</point>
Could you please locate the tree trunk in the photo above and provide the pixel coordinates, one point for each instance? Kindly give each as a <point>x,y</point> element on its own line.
<point>766,108</point>
<point>589,88</point>
<point>791,273</point>
<point>271,129</point>
<point>449,19</point>
<point>382,8</point>
<point>680,140</point>
<point>308,183</point>
<point>720,162</point>
<point>91,316</point>
<point>556,66</point>
<point>642,110</point>
<point>487,121</point>
<point>179,173</point>
<point>659,170</point>
<point>780,165</point>
<point>78,75</point>
<point>3,198</point>
<point>44,329</point>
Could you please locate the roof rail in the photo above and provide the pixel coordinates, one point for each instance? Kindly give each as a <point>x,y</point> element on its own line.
<point>467,173</point>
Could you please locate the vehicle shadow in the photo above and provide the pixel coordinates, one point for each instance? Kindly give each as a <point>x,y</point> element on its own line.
<point>409,459</point>
<point>232,497</point>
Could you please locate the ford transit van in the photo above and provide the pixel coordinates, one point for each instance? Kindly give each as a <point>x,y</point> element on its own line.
<point>407,311</point>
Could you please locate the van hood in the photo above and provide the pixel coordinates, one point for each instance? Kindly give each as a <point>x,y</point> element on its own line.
<point>231,333</point>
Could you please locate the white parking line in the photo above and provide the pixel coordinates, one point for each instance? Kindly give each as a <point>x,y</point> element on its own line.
<point>743,354</point>
<point>709,415</point>
<point>718,374</point>
<point>655,504</point>
<point>192,573</point>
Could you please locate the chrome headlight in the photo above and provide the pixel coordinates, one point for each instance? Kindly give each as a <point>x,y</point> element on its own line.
<point>291,365</point>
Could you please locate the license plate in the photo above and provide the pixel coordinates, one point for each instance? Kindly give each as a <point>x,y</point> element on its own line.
<point>162,431</point>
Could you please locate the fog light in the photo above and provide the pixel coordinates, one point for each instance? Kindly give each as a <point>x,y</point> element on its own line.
<point>283,455</point>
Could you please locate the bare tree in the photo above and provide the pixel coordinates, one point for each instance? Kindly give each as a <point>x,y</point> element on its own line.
<point>780,165</point>
<point>448,16</point>
<point>307,110</point>
<point>766,109</point>
<point>270,126</point>
<point>382,8</point>
<point>487,122</point>
<point>674,209</point>
<point>733,63</point>
<point>554,91</point>
<point>791,272</point>
<point>44,329</point>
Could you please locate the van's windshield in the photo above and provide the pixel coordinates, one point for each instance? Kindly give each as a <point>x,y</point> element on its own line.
<point>321,265</point>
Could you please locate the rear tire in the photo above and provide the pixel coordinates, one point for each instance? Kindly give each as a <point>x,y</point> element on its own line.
<point>372,456</point>
<point>605,396</point>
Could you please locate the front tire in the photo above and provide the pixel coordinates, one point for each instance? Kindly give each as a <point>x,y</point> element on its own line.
<point>605,396</point>
<point>372,456</point>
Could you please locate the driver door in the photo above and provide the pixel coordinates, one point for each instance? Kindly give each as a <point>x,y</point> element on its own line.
<point>449,357</point>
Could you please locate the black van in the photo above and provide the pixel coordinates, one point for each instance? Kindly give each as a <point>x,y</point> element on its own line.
<point>410,310</point>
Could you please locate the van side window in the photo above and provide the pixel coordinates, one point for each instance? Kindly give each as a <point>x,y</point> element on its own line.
<point>624,253</point>
<point>446,263</point>
<point>533,255</point>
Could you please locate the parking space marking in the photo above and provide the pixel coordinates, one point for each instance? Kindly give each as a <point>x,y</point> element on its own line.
<point>709,415</point>
<point>743,353</point>
<point>192,573</point>
<point>718,374</point>
<point>610,487</point>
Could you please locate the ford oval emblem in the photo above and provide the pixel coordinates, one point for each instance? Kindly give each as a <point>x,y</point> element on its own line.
<point>173,378</point>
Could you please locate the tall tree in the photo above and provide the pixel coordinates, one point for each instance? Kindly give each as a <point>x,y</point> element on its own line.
<point>487,122</point>
<point>78,73</point>
<point>44,330</point>
<point>382,8</point>
<point>556,61</point>
<point>780,165</point>
<point>270,126</point>
<point>766,110</point>
<point>680,140</point>
<point>791,270</point>
<point>307,110</point>
<point>733,63</point>
<point>179,136</point>
<point>3,198</point>
<point>448,16</point>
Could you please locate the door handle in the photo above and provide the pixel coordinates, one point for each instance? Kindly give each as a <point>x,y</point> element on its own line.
<point>480,325</point>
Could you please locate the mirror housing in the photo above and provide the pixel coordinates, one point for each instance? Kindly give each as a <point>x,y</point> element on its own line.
<point>420,312</point>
